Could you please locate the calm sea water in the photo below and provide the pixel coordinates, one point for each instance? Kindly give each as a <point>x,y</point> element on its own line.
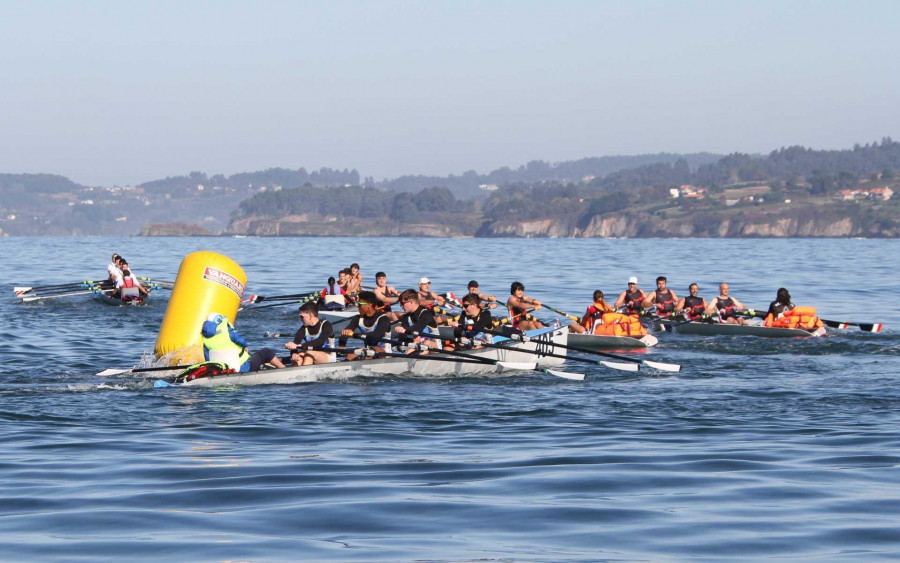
<point>758,449</point>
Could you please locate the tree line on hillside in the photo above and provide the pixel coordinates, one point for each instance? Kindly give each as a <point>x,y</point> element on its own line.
<point>351,201</point>
<point>272,177</point>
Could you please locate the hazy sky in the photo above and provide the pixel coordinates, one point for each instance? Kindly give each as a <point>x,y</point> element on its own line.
<point>125,92</point>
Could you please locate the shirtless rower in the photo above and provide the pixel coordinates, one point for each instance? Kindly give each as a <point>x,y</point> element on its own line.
<point>354,283</point>
<point>631,298</point>
<point>518,303</point>
<point>726,307</point>
<point>661,300</point>
<point>385,295</point>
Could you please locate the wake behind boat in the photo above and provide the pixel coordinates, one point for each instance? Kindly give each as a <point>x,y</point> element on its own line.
<point>520,355</point>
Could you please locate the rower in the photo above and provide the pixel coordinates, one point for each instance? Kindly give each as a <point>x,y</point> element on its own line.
<point>469,328</point>
<point>355,281</point>
<point>726,307</point>
<point>115,272</point>
<point>631,298</point>
<point>592,314</point>
<point>784,314</point>
<point>370,325</point>
<point>312,342</point>
<point>518,303</point>
<point>692,306</point>
<point>428,298</point>
<point>128,287</point>
<point>417,319</point>
<point>491,300</point>
<point>385,295</point>
<point>221,343</point>
<point>661,300</point>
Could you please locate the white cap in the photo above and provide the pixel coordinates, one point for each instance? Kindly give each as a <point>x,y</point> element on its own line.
<point>632,279</point>
<point>214,318</point>
<point>424,280</point>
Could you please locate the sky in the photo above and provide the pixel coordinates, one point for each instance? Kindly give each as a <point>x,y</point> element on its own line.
<point>122,93</point>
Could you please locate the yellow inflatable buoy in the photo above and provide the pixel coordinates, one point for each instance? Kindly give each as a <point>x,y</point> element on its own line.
<point>206,282</point>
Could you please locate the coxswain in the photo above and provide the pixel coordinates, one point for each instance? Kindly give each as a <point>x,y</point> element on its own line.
<point>692,306</point>
<point>491,300</point>
<point>222,343</point>
<point>333,297</point>
<point>629,301</point>
<point>128,286</point>
<point>470,327</point>
<point>417,319</point>
<point>370,325</point>
<point>726,307</point>
<point>661,300</point>
<point>779,307</point>
<point>518,305</point>
<point>312,342</point>
<point>385,295</point>
<point>592,315</point>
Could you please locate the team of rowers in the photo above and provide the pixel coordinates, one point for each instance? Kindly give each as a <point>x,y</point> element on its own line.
<point>416,323</point>
<point>122,279</point>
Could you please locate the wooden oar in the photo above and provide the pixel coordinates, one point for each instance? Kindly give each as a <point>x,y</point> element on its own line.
<point>563,313</point>
<point>524,366</point>
<point>651,364</point>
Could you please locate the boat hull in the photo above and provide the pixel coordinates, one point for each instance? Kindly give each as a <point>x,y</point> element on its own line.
<point>720,329</point>
<point>543,342</point>
<point>109,299</point>
<point>602,342</point>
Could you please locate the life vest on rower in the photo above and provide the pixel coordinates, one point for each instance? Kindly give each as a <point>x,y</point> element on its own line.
<point>633,300</point>
<point>798,317</point>
<point>594,313</point>
<point>665,303</point>
<point>129,289</point>
<point>776,310</point>
<point>618,324</point>
<point>693,307</point>
<point>218,345</point>
<point>725,308</point>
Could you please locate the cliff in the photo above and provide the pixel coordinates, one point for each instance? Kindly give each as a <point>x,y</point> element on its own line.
<point>306,225</point>
<point>173,230</point>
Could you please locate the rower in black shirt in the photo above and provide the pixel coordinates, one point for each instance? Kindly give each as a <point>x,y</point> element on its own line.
<point>369,325</point>
<point>416,320</point>
<point>312,342</point>
<point>471,324</point>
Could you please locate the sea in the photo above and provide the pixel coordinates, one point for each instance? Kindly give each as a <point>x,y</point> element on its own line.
<point>784,449</point>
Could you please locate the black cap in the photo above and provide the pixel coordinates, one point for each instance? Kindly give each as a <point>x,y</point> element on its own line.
<point>473,282</point>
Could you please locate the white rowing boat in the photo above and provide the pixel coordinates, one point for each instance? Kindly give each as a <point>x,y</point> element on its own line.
<point>723,329</point>
<point>515,359</point>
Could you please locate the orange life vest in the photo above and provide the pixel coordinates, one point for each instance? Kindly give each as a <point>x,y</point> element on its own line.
<point>617,324</point>
<point>798,317</point>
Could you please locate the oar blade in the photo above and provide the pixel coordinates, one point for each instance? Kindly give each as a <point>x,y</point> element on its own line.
<point>871,327</point>
<point>161,383</point>
<point>112,371</point>
<point>661,366</point>
<point>564,374</point>
<point>524,366</point>
<point>620,366</point>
